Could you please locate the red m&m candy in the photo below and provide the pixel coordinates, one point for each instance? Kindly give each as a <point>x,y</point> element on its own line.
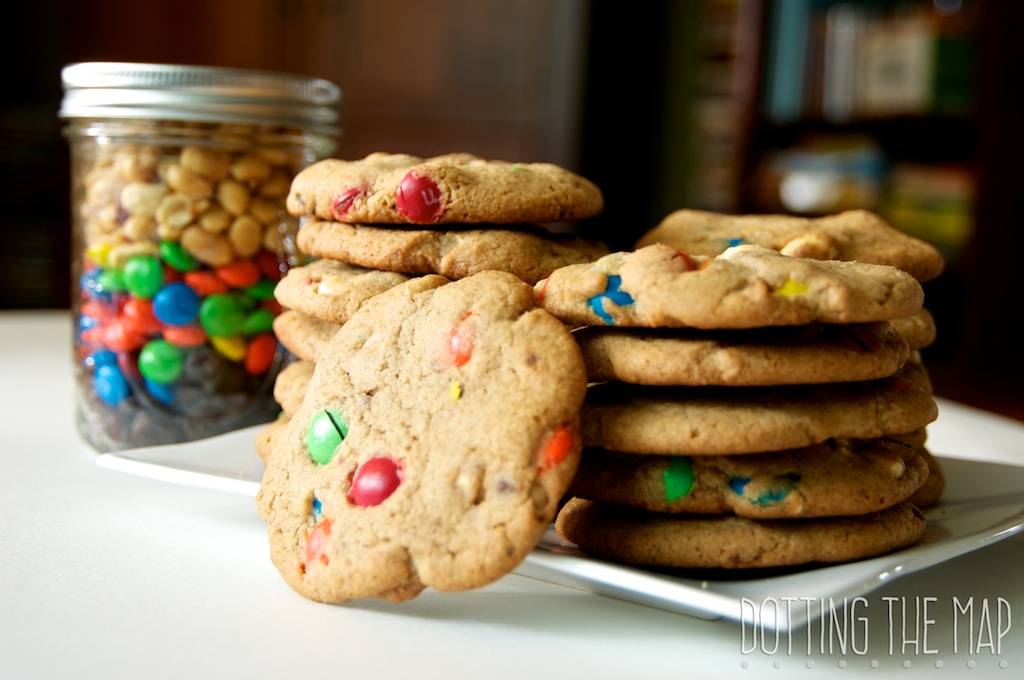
<point>418,199</point>
<point>374,481</point>
<point>343,202</point>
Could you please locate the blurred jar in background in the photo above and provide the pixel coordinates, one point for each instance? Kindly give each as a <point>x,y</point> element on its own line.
<point>179,177</point>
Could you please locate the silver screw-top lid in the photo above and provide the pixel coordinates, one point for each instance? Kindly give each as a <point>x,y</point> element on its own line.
<point>198,93</point>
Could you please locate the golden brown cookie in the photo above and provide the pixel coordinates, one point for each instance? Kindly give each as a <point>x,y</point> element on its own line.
<point>930,494</point>
<point>731,420</point>
<point>303,335</point>
<point>744,287</point>
<point>779,355</point>
<point>434,443</point>
<point>529,253</point>
<point>836,477</point>
<point>918,329</point>
<point>852,235</point>
<point>455,188</point>
<point>645,538</point>
<point>291,385</point>
<point>332,291</point>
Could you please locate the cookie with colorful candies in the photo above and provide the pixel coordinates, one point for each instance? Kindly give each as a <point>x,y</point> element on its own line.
<point>745,287</point>
<point>434,443</point>
<point>455,188</point>
<point>858,235</point>
<point>828,479</point>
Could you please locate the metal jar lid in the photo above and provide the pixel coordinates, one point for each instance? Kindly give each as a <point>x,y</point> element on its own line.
<point>199,93</point>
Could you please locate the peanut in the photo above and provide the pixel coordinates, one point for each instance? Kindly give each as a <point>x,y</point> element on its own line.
<point>210,249</point>
<point>233,197</point>
<point>208,163</point>
<point>245,236</point>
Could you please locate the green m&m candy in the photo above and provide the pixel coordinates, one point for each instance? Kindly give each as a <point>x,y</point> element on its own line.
<point>678,477</point>
<point>177,257</point>
<point>326,432</point>
<point>143,276</point>
<point>161,362</point>
<point>221,314</point>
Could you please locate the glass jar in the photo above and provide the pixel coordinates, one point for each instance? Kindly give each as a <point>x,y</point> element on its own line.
<point>179,177</point>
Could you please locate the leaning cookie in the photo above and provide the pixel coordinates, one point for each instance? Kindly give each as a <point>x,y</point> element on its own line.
<point>639,537</point>
<point>529,253</point>
<point>744,287</point>
<point>434,443</point>
<point>332,291</point>
<point>732,420</point>
<point>451,189</point>
<point>852,235</point>
<point>778,355</point>
<point>836,477</point>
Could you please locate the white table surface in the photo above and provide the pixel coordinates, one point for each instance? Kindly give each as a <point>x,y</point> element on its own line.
<point>105,574</point>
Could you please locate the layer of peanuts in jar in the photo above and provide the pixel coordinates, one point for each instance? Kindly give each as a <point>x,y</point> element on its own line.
<point>179,180</point>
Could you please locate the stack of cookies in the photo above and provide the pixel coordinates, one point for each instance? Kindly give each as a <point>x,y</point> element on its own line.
<point>431,421</point>
<point>374,223</point>
<point>749,408</point>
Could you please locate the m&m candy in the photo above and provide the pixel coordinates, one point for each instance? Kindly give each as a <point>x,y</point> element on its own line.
<point>374,481</point>
<point>176,304</point>
<point>326,432</point>
<point>160,361</point>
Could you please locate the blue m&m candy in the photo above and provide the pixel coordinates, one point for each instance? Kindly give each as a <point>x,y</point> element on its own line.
<point>176,304</point>
<point>160,392</point>
<point>110,384</point>
<point>102,357</point>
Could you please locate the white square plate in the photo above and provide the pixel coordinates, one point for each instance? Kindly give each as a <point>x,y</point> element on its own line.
<point>983,503</point>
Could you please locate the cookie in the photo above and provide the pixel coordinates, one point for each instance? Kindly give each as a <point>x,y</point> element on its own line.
<point>435,441</point>
<point>929,494</point>
<point>852,235</point>
<point>266,439</point>
<point>291,385</point>
<point>836,477</point>
<point>451,189</point>
<point>302,335</point>
<point>744,287</point>
<point>918,330</point>
<point>645,538</point>
<point>731,420</point>
<point>779,355</point>
<point>530,254</point>
<point>332,291</point>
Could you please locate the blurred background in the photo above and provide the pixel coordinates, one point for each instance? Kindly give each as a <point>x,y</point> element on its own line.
<point>911,108</point>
